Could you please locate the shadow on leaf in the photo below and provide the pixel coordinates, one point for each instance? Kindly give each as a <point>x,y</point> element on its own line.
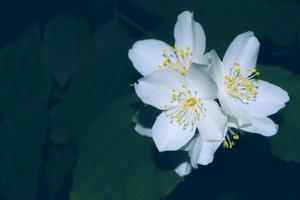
<point>246,171</point>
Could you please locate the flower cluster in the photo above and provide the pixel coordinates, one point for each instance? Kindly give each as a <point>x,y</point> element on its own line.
<point>203,99</point>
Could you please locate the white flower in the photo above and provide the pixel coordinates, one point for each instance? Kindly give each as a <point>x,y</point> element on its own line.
<point>200,152</point>
<point>248,100</point>
<point>150,55</point>
<point>187,103</point>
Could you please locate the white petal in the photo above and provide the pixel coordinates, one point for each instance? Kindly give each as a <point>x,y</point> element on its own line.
<point>216,68</point>
<point>232,122</point>
<point>232,108</point>
<point>189,146</point>
<point>156,88</point>
<point>199,44</point>
<point>243,50</point>
<point>264,126</point>
<point>170,136</point>
<point>207,152</point>
<point>183,169</point>
<point>189,33</point>
<point>212,123</point>
<point>140,129</point>
<point>147,55</point>
<point>202,60</point>
<point>198,77</point>
<point>203,151</point>
<point>195,150</point>
<point>270,99</point>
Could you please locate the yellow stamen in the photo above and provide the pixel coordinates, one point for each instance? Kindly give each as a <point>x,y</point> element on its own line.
<point>190,102</point>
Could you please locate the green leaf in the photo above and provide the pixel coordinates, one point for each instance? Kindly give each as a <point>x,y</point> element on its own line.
<point>24,89</point>
<point>65,46</point>
<point>60,129</point>
<point>102,74</point>
<point>285,144</point>
<point>105,76</point>
<point>59,165</point>
<point>20,154</point>
<point>24,83</point>
<point>117,163</point>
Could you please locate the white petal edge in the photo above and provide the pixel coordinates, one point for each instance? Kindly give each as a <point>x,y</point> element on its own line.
<point>188,146</point>
<point>198,77</point>
<point>263,126</point>
<point>169,136</point>
<point>140,129</point>
<point>243,50</point>
<point>203,151</point>
<point>189,33</point>
<point>270,99</point>
<point>147,55</point>
<point>231,108</point>
<point>216,68</point>
<point>156,88</point>
<point>183,169</point>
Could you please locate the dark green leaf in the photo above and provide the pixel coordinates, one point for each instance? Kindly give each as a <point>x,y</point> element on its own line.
<point>65,46</point>
<point>285,144</point>
<point>24,82</point>
<point>117,163</point>
<point>20,154</point>
<point>104,77</point>
<point>24,88</point>
<point>60,132</point>
<point>59,165</point>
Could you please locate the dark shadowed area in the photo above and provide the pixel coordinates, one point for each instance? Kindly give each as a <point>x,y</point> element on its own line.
<point>67,103</point>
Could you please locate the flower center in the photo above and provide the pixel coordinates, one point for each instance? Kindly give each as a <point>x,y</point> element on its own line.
<point>190,102</point>
<point>188,108</point>
<point>178,60</point>
<point>241,87</point>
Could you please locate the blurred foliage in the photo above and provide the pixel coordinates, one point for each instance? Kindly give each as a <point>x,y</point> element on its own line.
<point>222,20</point>
<point>25,87</point>
<point>117,163</point>
<point>66,40</point>
<point>286,143</point>
<point>66,104</point>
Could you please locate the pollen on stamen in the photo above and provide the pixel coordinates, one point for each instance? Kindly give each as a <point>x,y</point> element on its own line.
<point>228,145</point>
<point>228,142</point>
<point>242,87</point>
<point>225,144</point>
<point>236,137</point>
<point>237,64</point>
<point>177,60</point>
<point>188,108</point>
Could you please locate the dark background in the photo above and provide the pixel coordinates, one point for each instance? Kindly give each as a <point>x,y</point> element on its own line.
<point>32,144</point>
